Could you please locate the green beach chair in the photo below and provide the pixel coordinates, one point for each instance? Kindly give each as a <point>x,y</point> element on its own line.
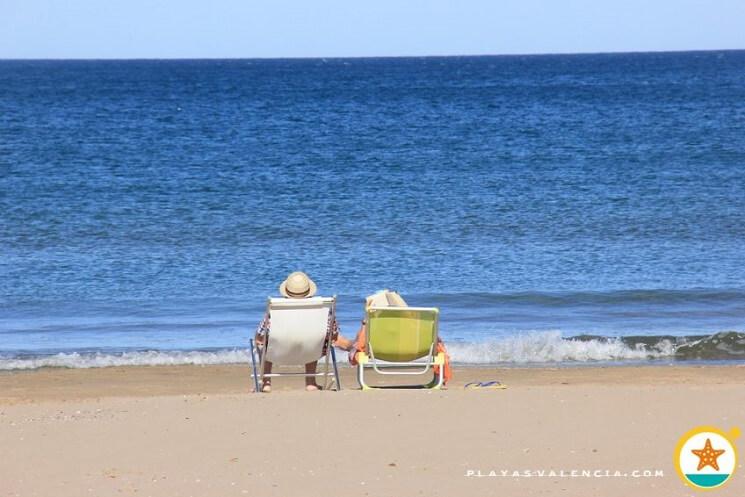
<point>401,341</point>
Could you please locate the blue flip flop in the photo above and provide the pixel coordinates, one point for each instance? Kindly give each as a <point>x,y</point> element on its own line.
<point>485,385</point>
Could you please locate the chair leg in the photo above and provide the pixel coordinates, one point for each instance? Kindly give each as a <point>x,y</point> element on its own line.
<point>262,361</point>
<point>329,346</point>
<point>253,367</point>
<point>336,369</point>
<point>361,377</point>
<point>440,376</point>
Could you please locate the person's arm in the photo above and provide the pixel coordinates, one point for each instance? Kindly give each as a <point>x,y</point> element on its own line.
<point>347,344</point>
<point>343,343</point>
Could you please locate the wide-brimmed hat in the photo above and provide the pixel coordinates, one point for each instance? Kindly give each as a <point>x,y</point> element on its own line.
<point>297,286</point>
<point>385,298</point>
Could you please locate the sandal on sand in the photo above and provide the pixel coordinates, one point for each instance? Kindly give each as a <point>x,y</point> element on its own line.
<point>485,385</point>
<point>313,388</point>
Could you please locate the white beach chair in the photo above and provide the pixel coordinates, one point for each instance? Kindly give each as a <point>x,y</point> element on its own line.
<point>298,334</point>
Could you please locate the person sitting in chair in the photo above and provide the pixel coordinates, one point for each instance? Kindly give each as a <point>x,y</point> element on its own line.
<point>297,285</point>
<point>384,298</point>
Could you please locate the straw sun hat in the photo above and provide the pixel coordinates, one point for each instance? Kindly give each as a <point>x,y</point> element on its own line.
<point>297,286</point>
<point>385,298</point>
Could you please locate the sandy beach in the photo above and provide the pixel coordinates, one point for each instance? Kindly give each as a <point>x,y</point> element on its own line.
<point>188,430</point>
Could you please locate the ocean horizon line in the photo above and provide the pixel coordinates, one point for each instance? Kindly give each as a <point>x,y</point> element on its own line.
<point>369,57</point>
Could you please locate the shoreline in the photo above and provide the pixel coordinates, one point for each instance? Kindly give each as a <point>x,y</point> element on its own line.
<point>535,350</point>
<point>64,384</point>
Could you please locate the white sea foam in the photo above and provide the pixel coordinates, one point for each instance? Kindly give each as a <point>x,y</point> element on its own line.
<point>545,347</point>
<point>144,358</point>
<point>550,347</point>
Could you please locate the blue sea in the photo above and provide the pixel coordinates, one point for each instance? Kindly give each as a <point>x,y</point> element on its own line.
<point>558,209</point>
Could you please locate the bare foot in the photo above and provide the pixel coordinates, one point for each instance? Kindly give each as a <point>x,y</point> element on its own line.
<point>266,387</point>
<point>312,387</point>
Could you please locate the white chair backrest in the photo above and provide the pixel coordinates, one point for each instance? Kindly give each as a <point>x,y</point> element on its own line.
<point>297,330</point>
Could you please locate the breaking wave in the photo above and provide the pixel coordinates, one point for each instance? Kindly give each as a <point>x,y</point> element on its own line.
<point>529,348</point>
<point>136,358</point>
<point>551,347</point>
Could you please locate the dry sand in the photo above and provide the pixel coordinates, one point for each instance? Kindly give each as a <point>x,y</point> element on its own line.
<point>188,430</point>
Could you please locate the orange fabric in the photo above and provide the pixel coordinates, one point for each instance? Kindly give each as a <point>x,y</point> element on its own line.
<point>447,371</point>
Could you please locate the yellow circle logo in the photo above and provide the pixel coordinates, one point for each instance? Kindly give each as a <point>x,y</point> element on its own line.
<point>706,457</point>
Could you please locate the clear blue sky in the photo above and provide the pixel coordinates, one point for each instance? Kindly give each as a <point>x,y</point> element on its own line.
<point>326,28</point>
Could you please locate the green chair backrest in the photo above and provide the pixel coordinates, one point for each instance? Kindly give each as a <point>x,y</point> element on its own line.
<point>401,334</point>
